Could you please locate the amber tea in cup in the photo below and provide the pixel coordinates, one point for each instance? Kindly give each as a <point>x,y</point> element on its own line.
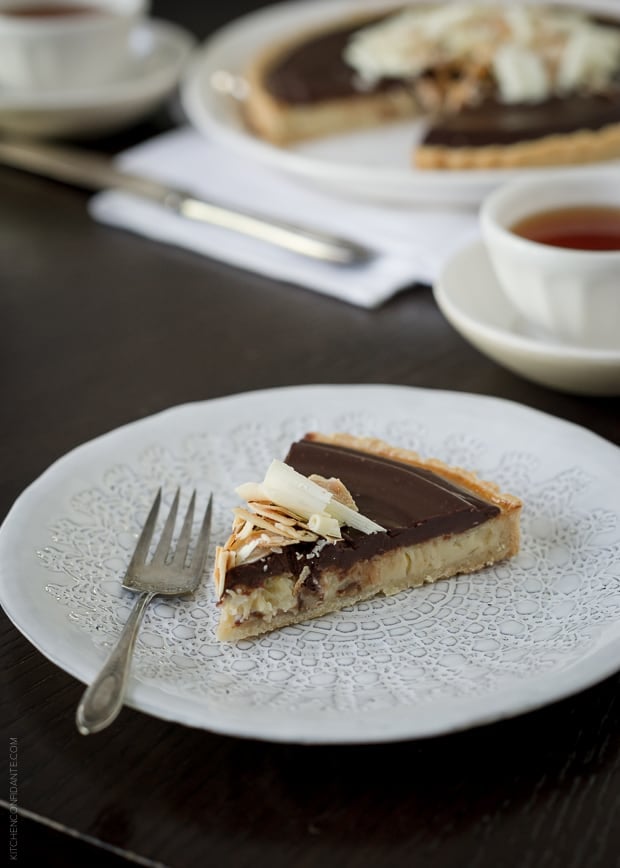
<point>582,227</point>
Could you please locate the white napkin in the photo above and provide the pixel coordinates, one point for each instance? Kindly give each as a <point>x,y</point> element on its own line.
<point>413,243</point>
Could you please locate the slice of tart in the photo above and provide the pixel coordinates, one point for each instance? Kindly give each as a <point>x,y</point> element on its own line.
<point>302,88</point>
<point>499,85</point>
<point>345,518</point>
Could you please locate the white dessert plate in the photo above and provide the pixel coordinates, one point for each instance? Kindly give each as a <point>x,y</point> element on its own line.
<point>373,164</point>
<point>159,53</point>
<point>468,294</point>
<point>444,657</point>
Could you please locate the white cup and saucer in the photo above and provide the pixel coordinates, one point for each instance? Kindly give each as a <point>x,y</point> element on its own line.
<point>540,293</point>
<point>84,67</point>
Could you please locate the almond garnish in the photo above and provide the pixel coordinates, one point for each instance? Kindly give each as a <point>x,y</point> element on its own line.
<point>222,558</point>
<point>276,513</point>
<point>337,489</point>
<point>271,521</point>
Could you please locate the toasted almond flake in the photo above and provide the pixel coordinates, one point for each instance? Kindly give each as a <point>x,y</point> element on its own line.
<point>305,572</point>
<point>267,538</point>
<point>257,520</point>
<point>261,552</point>
<point>336,488</point>
<point>277,513</point>
<point>235,541</point>
<point>287,530</point>
<point>247,530</point>
<point>244,552</point>
<point>222,558</point>
<point>308,536</point>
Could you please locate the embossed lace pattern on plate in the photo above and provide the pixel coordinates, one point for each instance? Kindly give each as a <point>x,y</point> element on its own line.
<point>465,637</point>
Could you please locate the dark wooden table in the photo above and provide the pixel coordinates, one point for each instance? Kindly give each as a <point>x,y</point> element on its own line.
<point>101,328</point>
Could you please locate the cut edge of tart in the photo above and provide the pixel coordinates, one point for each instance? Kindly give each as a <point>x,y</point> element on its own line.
<point>301,548</point>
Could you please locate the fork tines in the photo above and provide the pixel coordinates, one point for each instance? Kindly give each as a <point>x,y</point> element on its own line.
<point>162,556</point>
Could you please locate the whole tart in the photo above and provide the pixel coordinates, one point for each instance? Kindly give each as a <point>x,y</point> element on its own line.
<point>303,88</point>
<point>412,521</point>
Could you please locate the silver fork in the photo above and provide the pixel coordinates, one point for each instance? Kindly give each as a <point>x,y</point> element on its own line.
<point>166,574</point>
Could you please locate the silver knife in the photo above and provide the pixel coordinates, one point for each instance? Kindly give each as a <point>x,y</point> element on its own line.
<point>97,172</point>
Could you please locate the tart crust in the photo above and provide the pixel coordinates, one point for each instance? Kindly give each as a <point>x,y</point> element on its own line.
<point>275,604</point>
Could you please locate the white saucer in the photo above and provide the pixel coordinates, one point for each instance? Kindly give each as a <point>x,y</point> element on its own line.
<point>468,295</point>
<point>159,53</point>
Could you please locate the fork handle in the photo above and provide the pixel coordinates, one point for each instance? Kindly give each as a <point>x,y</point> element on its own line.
<point>103,700</point>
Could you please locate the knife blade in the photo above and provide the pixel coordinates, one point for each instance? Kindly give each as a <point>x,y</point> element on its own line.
<point>94,171</point>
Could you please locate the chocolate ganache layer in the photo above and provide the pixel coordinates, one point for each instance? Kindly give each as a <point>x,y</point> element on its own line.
<point>495,123</point>
<point>315,70</point>
<point>413,504</point>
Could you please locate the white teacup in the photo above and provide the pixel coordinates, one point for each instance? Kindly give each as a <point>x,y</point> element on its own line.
<point>570,294</point>
<point>65,44</point>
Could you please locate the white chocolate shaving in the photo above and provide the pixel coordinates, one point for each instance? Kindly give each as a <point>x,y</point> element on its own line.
<point>289,508</point>
<point>531,52</point>
<point>324,525</point>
